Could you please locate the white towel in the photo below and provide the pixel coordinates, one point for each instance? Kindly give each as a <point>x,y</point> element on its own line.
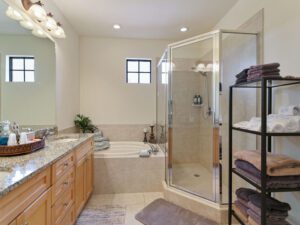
<point>292,110</point>
<point>145,153</point>
<point>242,125</point>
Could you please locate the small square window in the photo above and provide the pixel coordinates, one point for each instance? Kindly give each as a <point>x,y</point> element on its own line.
<point>20,69</point>
<point>138,71</point>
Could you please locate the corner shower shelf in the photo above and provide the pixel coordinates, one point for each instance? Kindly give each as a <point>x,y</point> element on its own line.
<point>197,105</point>
<point>266,85</point>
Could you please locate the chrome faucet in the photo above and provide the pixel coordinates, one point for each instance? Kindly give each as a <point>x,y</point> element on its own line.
<point>154,148</point>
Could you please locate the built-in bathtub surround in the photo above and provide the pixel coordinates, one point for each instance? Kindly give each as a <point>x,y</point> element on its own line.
<point>124,132</point>
<point>14,171</point>
<point>120,169</point>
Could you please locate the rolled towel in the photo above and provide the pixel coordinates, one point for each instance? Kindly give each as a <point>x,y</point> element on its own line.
<point>292,110</point>
<point>242,125</point>
<point>289,123</point>
<point>277,164</point>
<point>145,153</point>
<point>244,193</point>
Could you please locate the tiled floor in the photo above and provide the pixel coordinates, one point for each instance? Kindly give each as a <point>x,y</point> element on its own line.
<point>133,202</point>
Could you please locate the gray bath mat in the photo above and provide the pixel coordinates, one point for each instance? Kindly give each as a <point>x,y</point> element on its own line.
<point>104,215</point>
<point>161,212</point>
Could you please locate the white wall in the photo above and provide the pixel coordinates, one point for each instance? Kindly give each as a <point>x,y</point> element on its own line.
<point>67,71</point>
<point>281,44</point>
<point>104,94</point>
<point>29,103</point>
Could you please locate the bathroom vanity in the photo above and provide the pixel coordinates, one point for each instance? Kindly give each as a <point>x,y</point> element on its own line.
<point>48,187</point>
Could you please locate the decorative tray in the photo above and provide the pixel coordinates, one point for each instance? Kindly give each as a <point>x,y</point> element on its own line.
<point>22,149</point>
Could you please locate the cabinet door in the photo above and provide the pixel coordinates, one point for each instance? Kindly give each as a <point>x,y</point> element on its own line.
<point>89,175</point>
<point>80,189</point>
<point>13,222</point>
<point>38,213</point>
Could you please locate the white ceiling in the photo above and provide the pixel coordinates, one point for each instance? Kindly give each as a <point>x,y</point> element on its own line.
<point>151,19</point>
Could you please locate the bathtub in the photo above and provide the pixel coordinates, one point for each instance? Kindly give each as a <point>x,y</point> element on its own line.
<point>126,149</point>
<point>119,169</point>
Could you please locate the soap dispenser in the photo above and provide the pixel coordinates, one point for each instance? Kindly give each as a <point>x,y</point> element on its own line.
<point>5,132</point>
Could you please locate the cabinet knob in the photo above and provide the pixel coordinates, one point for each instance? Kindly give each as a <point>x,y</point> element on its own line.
<point>66,204</point>
<point>66,164</point>
<point>66,183</point>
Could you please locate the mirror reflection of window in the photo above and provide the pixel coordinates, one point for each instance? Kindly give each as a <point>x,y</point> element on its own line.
<point>164,73</point>
<point>20,69</point>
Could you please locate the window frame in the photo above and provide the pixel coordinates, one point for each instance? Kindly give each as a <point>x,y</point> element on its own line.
<point>138,71</point>
<point>11,70</point>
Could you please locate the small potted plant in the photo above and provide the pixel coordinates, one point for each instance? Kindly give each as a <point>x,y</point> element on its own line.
<point>84,124</point>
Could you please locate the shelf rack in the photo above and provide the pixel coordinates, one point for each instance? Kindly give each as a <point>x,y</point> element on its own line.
<point>266,85</point>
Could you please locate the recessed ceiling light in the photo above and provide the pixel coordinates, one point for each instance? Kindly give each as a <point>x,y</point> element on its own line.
<point>117,27</point>
<point>184,29</point>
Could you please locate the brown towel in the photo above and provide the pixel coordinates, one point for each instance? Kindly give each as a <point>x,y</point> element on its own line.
<point>240,214</point>
<point>263,71</point>
<point>277,164</point>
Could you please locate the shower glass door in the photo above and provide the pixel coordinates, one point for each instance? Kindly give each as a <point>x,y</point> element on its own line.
<point>193,116</point>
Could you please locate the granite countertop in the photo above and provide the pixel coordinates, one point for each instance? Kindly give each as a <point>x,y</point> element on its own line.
<point>16,170</point>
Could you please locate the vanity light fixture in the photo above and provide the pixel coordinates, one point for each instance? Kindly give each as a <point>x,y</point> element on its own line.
<point>117,27</point>
<point>39,33</point>
<point>59,32</point>
<point>13,14</point>
<point>34,17</point>
<point>184,29</point>
<point>50,23</point>
<point>27,24</point>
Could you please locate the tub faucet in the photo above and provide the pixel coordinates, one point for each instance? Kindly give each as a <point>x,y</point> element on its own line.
<point>154,148</point>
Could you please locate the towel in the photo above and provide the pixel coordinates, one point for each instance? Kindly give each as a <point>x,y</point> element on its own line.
<point>277,164</point>
<point>261,71</point>
<point>241,207</point>
<point>100,139</point>
<point>247,169</point>
<point>271,203</point>
<point>292,110</point>
<point>273,221</point>
<point>240,214</point>
<point>145,153</point>
<point>244,193</point>
<point>242,125</point>
<point>266,66</point>
<point>269,213</point>
<point>289,123</point>
<point>242,76</point>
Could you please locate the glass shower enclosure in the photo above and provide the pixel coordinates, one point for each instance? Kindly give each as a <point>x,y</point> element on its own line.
<point>193,76</point>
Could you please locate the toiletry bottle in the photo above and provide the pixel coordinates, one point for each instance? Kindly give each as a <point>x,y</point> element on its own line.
<point>195,100</point>
<point>5,132</point>
<point>199,100</point>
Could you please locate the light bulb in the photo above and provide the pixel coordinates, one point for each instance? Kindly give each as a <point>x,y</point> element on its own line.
<point>117,27</point>
<point>37,12</point>
<point>39,33</point>
<point>13,14</point>
<point>27,24</point>
<point>50,23</point>
<point>59,32</point>
<point>184,29</point>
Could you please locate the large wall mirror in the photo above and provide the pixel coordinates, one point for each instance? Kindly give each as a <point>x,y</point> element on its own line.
<point>27,69</point>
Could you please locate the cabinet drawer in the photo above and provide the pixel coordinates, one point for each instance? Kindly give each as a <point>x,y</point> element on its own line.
<point>83,149</point>
<point>63,184</point>
<point>18,200</point>
<point>61,166</point>
<point>62,206</point>
<point>69,217</point>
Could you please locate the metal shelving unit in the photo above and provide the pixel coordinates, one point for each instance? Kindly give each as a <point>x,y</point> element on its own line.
<point>266,85</point>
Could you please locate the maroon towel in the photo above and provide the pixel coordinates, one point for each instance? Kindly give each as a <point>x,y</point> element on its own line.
<point>242,208</point>
<point>262,70</point>
<point>273,213</point>
<point>253,72</point>
<point>244,193</point>
<point>271,221</point>
<point>266,66</point>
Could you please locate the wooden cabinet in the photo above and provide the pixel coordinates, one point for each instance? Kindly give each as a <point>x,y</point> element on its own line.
<point>38,213</point>
<point>84,175</point>
<point>56,195</point>
<point>89,175</point>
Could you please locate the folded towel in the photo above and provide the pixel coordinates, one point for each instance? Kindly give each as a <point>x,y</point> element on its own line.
<point>240,214</point>
<point>292,110</point>
<point>277,164</point>
<point>271,203</point>
<point>266,70</point>
<point>101,145</point>
<point>242,125</point>
<point>100,139</point>
<point>242,74</point>
<point>247,169</point>
<point>241,207</point>
<point>145,153</point>
<point>270,213</point>
<point>255,219</point>
<point>266,66</point>
<point>244,193</point>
